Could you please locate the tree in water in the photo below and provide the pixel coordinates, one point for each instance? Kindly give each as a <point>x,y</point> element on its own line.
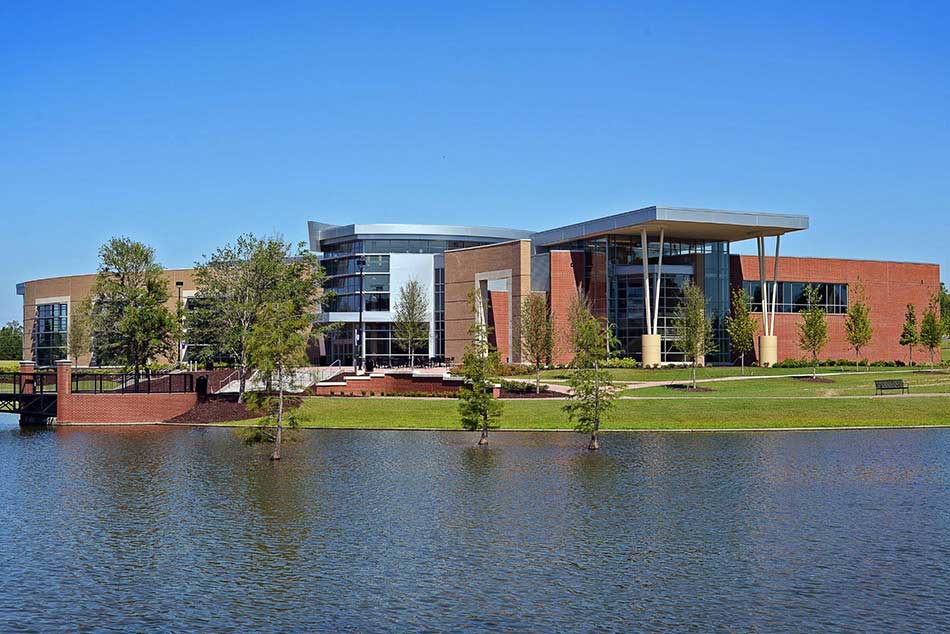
<point>910,336</point>
<point>232,286</point>
<point>694,331</point>
<point>740,325</point>
<point>813,328</point>
<point>931,330</point>
<point>592,391</point>
<point>537,333</point>
<point>480,363</point>
<point>130,320</point>
<point>857,324</point>
<point>284,324</point>
<point>411,318</point>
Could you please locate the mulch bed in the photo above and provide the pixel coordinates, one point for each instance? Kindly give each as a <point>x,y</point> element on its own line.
<point>817,379</point>
<point>224,408</point>
<point>679,387</point>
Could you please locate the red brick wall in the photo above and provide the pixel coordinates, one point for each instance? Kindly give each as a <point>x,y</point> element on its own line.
<point>498,321</point>
<point>122,408</point>
<point>567,274</point>
<point>390,384</point>
<point>888,287</point>
<point>115,408</point>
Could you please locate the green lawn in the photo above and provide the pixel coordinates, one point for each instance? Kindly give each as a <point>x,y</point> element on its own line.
<point>844,385</point>
<point>685,413</point>
<point>712,372</point>
<point>9,366</point>
<point>945,352</point>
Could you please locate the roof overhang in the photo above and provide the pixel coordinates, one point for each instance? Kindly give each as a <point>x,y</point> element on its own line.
<point>678,222</point>
<point>321,232</point>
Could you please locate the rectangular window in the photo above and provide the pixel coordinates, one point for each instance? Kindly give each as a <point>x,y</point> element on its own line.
<point>50,330</point>
<point>791,296</point>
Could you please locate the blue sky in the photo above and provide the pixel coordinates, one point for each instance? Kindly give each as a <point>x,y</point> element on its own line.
<point>184,124</point>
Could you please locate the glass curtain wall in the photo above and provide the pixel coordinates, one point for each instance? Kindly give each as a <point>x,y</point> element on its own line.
<point>613,279</point>
<point>50,330</point>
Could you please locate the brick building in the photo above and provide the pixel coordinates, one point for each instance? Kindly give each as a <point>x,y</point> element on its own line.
<point>632,266</point>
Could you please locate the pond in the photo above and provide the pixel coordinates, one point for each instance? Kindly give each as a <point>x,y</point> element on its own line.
<point>184,529</point>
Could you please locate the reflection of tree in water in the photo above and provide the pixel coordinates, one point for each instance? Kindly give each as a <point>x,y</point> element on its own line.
<point>479,461</point>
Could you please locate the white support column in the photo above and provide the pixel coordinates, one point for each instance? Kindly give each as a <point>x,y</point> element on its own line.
<point>768,344</point>
<point>771,333</point>
<point>763,285</point>
<point>646,279</point>
<point>649,341</point>
<point>659,272</point>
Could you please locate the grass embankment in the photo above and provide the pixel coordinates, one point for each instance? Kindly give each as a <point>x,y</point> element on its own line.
<point>684,413</point>
<point>845,385</point>
<point>711,372</point>
<point>9,366</point>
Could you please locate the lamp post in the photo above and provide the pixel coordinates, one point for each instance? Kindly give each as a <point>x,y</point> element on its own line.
<point>181,318</point>
<point>359,353</point>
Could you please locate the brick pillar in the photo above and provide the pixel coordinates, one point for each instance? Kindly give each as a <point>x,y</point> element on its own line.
<point>26,376</point>
<point>64,377</point>
<point>64,388</point>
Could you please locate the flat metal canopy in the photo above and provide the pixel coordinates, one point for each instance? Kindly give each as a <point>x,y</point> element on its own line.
<point>678,222</point>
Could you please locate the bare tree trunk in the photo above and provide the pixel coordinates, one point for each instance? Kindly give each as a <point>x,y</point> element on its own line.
<point>280,415</point>
<point>537,381</point>
<point>484,438</point>
<point>814,367</point>
<point>742,361</point>
<point>694,373</point>
<point>242,383</point>
<point>594,444</point>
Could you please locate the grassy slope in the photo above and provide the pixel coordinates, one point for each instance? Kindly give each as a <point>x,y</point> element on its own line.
<point>845,385</point>
<point>685,413</point>
<point>9,366</point>
<point>712,372</point>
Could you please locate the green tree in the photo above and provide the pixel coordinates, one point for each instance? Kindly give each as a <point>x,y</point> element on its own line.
<point>740,325</point>
<point>931,330</point>
<point>480,363</point>
<point>694,331</point>
<point>11,341</point>
<point>232,286</point>
<point>79,341</point>
<point>411,318</point>
<point>284,324</point>
<point>945,308</point>
<point>813,328</point>
<point>537,333</point>
<point>129,317</point>
<point>857,324</point>
<point>592,391</point>
<point>910,336</point>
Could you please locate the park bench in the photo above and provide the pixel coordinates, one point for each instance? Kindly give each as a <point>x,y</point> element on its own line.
<point>891,384</point>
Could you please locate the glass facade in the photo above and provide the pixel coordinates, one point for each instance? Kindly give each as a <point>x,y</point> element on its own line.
<point>791,296</point>
<point>439,310</point>
<point>340,263</point>
<point>50,330</point>
<point>613,280</point>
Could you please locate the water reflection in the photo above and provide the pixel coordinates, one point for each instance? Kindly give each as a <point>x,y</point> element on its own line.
<point>153,529</point>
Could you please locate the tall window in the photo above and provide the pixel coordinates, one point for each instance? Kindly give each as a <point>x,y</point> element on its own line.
<point>49,333</point>
<point>439,311</point>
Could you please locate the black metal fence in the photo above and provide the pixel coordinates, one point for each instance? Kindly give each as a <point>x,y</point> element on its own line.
<point>129,383</point>
<point>28,383</point>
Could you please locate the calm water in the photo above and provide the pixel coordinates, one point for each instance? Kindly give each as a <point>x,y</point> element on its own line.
<point>171,529</point>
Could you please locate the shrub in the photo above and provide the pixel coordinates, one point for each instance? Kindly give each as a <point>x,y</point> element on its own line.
<point>514,369</point>
<point>520,387</point>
